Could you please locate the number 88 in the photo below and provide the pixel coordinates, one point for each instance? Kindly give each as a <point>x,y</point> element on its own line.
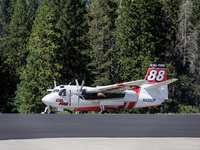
<point>152,75</point>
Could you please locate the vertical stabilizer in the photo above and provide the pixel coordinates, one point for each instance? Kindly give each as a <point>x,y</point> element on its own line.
<point>155,91</point>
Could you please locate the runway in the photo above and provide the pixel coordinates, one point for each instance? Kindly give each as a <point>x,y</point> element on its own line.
<point>144,132</point>
<point>30,126</point>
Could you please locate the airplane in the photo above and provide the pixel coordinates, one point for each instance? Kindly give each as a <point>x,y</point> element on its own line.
<point>151,91</point>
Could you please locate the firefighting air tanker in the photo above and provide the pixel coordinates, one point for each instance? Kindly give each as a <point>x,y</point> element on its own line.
<point>151,91</point>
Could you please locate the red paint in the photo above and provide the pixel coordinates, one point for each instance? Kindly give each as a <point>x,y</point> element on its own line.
<point>120,84</point>
<point>149,106</point>
<point>114,88</point>
<point>63,103</point>
<point>107,108</point>
<point>95,108</point>
<point>59,100</point>
<point>131,105</point>
<point>70,93</point>
<point>122,106</point>
<point>137,91</point>
<point>158,70</point>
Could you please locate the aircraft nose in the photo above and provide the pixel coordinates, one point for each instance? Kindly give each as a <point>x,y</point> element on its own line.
<point>45,100</point>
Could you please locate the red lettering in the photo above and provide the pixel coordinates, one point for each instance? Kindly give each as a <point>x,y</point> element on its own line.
<point>59,100</point>
<point>63,103</point>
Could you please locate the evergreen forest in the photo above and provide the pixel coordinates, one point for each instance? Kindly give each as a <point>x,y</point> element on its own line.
<point>101,42</point>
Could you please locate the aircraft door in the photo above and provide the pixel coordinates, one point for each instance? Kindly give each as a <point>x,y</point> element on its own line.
<point>62,92</point>
<point>64,97</point>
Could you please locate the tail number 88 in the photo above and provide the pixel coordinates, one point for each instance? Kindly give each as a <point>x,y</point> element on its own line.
<point>152,75</point>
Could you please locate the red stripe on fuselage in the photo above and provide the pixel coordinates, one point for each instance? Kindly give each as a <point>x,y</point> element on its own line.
<point>137,91</point>
<point>70,92</point>
<point>122,106</point>
<point>131,105</point>
<point>95,108</point>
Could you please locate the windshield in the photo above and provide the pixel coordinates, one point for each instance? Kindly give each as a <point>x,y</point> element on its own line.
<point>56,90</point>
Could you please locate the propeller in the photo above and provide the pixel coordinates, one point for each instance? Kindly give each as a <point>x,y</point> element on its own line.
<point>54,83</point>
<point>79,91</point>
<point>50,90</point>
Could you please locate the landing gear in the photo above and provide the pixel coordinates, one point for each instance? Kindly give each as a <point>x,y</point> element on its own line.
<point>47,110</point>
<point>103,111</point>
<point>69,111</point>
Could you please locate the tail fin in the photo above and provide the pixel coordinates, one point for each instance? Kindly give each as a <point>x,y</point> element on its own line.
<point>156,92</point>
<point>156,73</point>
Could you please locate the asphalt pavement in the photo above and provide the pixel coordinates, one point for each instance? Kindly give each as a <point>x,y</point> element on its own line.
<point>37,131</point>
<point>29,126</point>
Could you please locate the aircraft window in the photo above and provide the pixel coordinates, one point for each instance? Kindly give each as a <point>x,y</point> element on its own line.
<point>56,90</point>
<point>62,86</point>
<point>62,92</point>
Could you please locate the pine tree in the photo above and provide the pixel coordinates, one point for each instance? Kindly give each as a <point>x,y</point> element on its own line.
<point>6,11</point>
<point>42,63</point>
<point>186,53</point>
<point>16,41</point>
<point>186,36</point>
<point>56,6</point>
<point>102,16</point>
<point>195,17</point>
<point>73,23</point>
<point>30,91</point>
<point>138,31</point>
<point>32,7</point>
<point>195,20</point>
<point>4,19</point>
<point>15,36</point>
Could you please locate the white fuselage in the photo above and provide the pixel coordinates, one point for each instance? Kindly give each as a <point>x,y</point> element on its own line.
<point>143,97</point>
<point>71,101</point>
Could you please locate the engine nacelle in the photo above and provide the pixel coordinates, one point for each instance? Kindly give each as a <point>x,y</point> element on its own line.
<point>130,96</point>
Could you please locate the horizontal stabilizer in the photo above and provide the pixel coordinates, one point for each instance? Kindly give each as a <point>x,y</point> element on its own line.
<point>157,85</point>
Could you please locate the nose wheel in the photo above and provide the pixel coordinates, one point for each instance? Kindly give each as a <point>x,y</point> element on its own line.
<point>47,110</point>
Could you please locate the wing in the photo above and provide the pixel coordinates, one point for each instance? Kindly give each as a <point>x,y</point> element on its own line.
<point>121,86</point>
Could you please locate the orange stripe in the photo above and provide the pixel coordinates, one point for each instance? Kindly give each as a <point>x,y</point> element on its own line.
<point>131,105</point>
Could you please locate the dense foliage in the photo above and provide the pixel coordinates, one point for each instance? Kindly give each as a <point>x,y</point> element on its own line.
<point>99,41</point>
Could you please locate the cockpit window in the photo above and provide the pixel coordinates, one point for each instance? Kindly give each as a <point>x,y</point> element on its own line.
<point>62,92</point>
<point>56,90</point>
